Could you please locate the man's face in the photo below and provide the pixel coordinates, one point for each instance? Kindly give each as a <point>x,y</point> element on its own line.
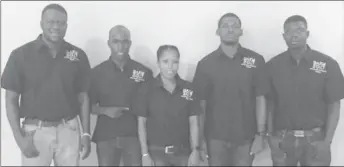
<point>54,25</point>
<point>119,42</point>
<point>296,34</point>
<point>229,30</point>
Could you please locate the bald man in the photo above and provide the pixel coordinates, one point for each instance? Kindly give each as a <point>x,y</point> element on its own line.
<point>113,84</point>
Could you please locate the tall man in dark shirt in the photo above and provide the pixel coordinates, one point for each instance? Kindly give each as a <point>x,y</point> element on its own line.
<point>114,84</point>
<point>52,77</point>
<point>304,101</point>
<point>231,83</point>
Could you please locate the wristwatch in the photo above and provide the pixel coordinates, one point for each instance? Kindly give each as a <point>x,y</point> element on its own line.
<point>263,134</point>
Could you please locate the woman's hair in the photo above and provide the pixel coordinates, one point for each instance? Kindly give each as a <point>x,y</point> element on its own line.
<point>164,48</point>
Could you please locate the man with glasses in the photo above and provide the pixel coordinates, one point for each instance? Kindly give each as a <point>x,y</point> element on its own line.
<point>304,101</point>
<point>51,77</point>
<point>232,83</point>
<point>113,86</point>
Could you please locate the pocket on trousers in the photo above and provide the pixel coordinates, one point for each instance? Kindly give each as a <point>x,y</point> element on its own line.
<point>277,153</point>
<point>73,124</point>
<point>29,130</point>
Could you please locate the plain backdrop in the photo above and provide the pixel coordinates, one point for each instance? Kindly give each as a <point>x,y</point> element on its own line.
<point>189,25</point>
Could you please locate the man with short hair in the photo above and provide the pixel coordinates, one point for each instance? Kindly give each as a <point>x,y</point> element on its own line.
<point>304,101</point>
<point>52,77</point>
<point>232,83</point>
<point>113,86</point>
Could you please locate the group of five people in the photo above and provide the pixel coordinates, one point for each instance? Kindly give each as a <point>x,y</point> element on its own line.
<point>235,101</point>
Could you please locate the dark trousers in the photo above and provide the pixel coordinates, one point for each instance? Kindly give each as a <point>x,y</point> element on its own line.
<point>161,158</point>
<point>110,152</point>
<point>223,153</point>
<point>289,149</point>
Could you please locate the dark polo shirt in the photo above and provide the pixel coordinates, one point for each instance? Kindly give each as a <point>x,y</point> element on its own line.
<point>48,86</point>
<point>302,92</point>
<point>167,114</point>
<point>230,87</point>
<point>111,87</point>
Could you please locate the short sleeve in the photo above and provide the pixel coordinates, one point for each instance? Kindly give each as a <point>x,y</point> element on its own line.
<point>201,81</point>
<point>260,78</point>
<point>84,74</point>
<point>334,86</point>
<point>195,105</point>
<point>140,101</point>
<point>12,77</point>
<point>93,91</point>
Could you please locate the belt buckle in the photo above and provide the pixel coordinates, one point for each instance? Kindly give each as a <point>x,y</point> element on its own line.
<point>299,133</point>
<point>167,149</point>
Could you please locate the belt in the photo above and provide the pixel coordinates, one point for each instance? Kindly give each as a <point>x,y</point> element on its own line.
<point>302,133</point>
<point>41,123</point>
<point>172,149</point>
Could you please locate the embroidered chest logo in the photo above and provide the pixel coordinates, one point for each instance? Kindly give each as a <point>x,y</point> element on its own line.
<point>138,76</point>
<point>187,94</point>
<point>249,62</point>
<point>319,67</point>
<point>72,55</point>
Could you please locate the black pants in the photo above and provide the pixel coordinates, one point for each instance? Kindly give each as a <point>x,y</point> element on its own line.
<point>110,152</point>
<point>223,153</point>
<point>288,150</point>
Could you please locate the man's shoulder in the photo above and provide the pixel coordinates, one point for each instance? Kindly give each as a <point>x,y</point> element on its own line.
<point>319,56</point>
<point>23,50</point>
<point>208,60</point>
<point>100,66</point>
<point>278,58</point>
<point>250,53</point>
<point>140,66</point>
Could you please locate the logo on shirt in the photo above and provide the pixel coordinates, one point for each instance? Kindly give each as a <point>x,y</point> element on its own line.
<point>138,76</point>
<point>72,55</point>
<point>187,94</point>
<point>319,67</point>
<point>248,62</point>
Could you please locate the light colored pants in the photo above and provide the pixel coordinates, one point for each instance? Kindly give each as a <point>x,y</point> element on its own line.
<point>224,153</point>
<point>60,144</point>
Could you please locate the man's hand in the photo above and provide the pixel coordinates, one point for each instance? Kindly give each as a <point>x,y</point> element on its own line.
<point>258,144</point>
<point>115,112</point>
<point>194,158</point>
<point>322,145</point>
<point>204,152</point>
<point>147,160</point>
<point>27,145</point>
<point>85,148</point>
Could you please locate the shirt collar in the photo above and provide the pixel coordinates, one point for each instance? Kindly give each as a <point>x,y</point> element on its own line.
<point>239,54</point>
<point>39,43</point>
<point>306,55</point>
<point>125,65</point>
<point>158,81</point>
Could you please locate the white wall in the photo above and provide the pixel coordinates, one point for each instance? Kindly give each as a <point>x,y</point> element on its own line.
<point>189,25</point>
